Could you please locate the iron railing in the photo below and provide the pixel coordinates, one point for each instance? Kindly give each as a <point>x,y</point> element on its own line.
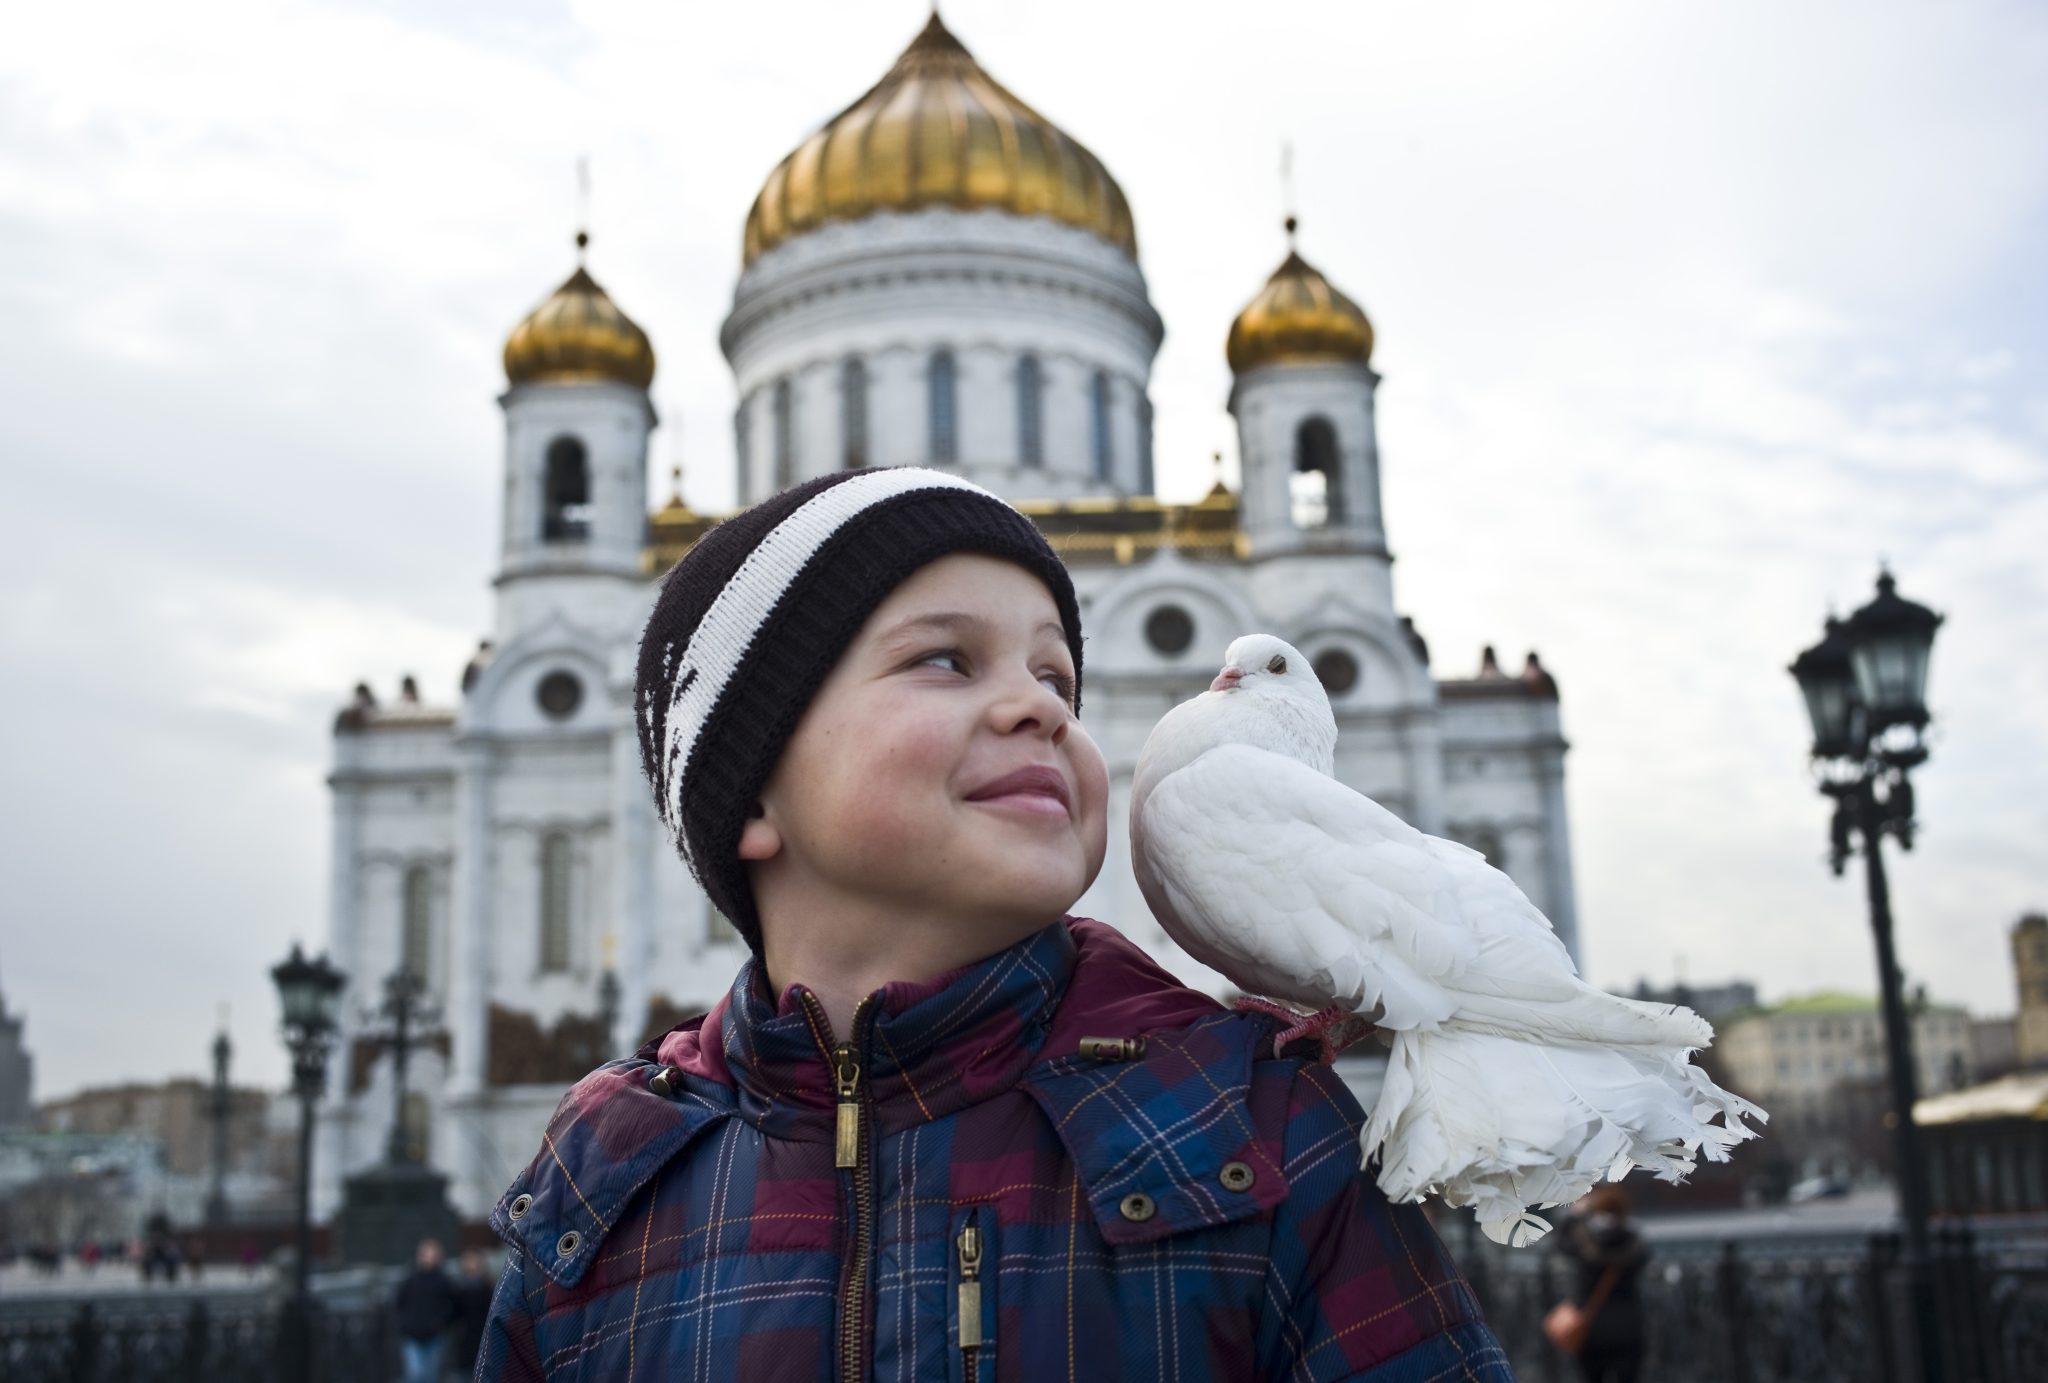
<point>1796,1311</point>
<point>220,1341</point>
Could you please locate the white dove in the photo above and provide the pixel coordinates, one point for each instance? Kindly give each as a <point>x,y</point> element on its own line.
<point>1511,1083</point>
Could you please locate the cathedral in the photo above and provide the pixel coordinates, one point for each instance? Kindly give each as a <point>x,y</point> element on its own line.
<point>941,277</point>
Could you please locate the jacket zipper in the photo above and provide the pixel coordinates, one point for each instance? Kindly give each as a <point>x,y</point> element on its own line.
<point>852,1123</point>
<point>970,1300</point>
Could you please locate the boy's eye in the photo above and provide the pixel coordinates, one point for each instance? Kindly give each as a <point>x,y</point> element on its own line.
<point>948,655</point>
<point>1061,684</point>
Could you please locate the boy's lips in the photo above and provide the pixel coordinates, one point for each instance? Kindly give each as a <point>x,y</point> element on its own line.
<point>1034,789</point>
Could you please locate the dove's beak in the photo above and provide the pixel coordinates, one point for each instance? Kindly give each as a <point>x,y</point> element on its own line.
<point>1227,679</point>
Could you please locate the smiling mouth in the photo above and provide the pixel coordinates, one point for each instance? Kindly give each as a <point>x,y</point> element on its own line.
<point>1038,791</point>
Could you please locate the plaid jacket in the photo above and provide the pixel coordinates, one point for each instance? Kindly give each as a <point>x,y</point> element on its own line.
<point>966,1190</point>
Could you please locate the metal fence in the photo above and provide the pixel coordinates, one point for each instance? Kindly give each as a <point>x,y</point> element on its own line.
<point>1792,1311</point>
<point>237,1340</point>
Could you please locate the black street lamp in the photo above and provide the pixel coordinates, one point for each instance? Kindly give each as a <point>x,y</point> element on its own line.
<point>1865,685</point>
<point>309,991</point>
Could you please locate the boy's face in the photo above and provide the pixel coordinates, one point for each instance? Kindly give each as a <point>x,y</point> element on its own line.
<point>878,804</point>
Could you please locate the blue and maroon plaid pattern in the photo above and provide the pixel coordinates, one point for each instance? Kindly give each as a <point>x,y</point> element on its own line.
<point>1194,1212</point>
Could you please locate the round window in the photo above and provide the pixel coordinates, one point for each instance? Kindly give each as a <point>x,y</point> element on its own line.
<point>1337,671</point>
<point>559,695</point>
<point>1169,629</point>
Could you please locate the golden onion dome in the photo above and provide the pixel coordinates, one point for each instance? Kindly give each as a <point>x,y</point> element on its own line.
<point>579,333</point>
<point>937,131</point>
<point>1298,315</point>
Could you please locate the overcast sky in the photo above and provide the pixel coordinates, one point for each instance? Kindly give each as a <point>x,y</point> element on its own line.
<point>1687,315</point>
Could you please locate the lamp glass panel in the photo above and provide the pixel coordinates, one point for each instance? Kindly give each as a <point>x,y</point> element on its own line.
<point>1891,672</point>
<point>1828,702</point>
<point>300,1000</point>
<point>327,998</point>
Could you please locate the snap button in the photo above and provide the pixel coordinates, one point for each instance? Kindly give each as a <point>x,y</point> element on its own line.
<point>565,1247</point>
<point>1137,1207</point>
<point>1236,1176</point>
<point>663,1083</point>
<point>520,1205</point>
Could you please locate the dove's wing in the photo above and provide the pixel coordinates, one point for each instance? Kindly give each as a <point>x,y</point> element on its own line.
<point>1293,885</point>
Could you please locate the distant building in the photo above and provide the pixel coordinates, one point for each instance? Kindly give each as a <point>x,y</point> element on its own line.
<point>1817,1064</point>
<point>1987,1146</point>
<point>1994,1047</point>
<point>175,1119</point>
<point>63,1189</point>
<point>1709,1001</point>
<point>17,1071</point>
<point>2030,968</point>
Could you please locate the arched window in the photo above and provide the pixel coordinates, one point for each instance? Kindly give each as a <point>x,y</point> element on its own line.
<point>567,517</point>
<point>1098,423</point>
<point>556,860</point>
<point>1144,444</point>
<point>785,443</point>
<point>1030,412</point>
<point>944,408</point>
<point>1315,487</point>
<point>742,437</point>
<point>853,414</point>
<point>416,945</point>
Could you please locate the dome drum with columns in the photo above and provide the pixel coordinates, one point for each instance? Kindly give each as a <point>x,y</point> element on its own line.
<point>937,276</point>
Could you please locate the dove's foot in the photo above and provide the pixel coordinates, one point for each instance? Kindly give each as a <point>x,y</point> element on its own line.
<point>1332,1030</point>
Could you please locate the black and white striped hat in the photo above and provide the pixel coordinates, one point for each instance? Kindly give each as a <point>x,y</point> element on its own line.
<point>754,616</point>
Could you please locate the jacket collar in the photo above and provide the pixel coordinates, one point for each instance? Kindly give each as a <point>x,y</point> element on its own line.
<point>924,1050</point>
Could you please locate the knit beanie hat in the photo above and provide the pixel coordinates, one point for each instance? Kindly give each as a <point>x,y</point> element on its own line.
<point>754,616</point>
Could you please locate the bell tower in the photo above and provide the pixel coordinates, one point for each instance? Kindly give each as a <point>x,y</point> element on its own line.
<point>1302,395</point>
<point>577,419</point>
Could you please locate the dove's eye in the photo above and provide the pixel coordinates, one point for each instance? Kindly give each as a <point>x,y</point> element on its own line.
<point>1279,664</point>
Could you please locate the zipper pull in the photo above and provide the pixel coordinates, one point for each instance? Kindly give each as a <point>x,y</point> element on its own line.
<point>970,1288</point>
<point>846,1146</point>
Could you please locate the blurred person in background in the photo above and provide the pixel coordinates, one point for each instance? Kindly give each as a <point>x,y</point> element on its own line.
<point>473,1307</point>
<point>425,1308</point>
<point>1602,1244</point>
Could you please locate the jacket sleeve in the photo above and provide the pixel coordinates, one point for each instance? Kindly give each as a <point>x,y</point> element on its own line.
<point>1359,1290</point>
<point>509,1352</point>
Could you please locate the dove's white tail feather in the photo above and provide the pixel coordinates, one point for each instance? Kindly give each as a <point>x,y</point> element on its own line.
<point>1504,1125</point>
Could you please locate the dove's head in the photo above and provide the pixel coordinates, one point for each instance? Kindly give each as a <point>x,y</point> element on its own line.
<point>1267,693</point>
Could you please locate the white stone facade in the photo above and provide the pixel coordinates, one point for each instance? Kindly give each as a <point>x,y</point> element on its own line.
<point>509,844</point>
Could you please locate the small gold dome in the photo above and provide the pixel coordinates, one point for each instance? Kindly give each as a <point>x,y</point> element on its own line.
<point>937,131</point>
<point>579,334</point>
<point>1298,315</point>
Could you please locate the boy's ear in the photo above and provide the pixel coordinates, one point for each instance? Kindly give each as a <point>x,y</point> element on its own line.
<point>759,840</point>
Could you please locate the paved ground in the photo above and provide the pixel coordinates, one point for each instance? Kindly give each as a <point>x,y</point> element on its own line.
<point>1858,1213</point>
<point>21,1280</point>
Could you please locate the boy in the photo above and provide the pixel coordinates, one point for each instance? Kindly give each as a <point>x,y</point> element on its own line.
<point>938,1129</point>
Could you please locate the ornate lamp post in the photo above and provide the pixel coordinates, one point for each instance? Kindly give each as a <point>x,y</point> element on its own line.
<point>309,992</point>
<point>412,1016</point>
<point>1865,685</point>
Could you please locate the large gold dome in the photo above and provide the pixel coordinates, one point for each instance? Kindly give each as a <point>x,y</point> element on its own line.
<point>579,333</point>
<point>1298,315</point>
<point>937,131</point>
